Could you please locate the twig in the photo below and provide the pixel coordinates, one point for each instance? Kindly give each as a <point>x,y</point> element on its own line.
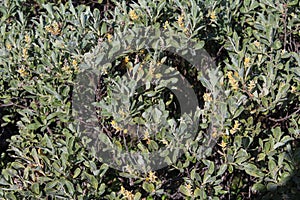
<point>284,118</point>
<point>218,53</point>
<point>6,105</point>
<point>49,131</point>
<point>13,104</point>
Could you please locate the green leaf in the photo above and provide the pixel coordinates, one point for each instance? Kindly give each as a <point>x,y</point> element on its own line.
<point>103,28</point>
<point>52,184</point>
<point>273,168</point>
<point>53,92</point>
<point>69,186</point>
<point>258,187</point>
<point>11,196</point>
<point>272,187</point>
<point>148,187</point>
<point>199,45</point>
<point>222,169</point>
<point>184,190</point>
<point>35,156</point>
<point>153,145</point>
<point>17,165</point>
<point>252,170</point>
<point>49,9</point>
<point>76,172</point>
<point>137,196</point>
<point>197,192</point>
<point>94,182</point>
<point>3,182</point>
<point>35,188</point>
<point>103,169</point>
<point>277,133</point>
<point>241,156</point>
<point>102,189</point>
<point>238,112</point>
<point>292,3</point>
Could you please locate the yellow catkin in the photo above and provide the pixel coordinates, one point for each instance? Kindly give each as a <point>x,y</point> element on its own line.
<point>25,53</point>
<point>151,177</point>
<point>256,43</point>
<point>223,144</point>
<point>180,21</point>
<point>166,25</point>
<point>235,127</point>
<point>22,71</point>
<point>27,39</point>
<point>251,85</point>
<point>293,89</point>
<point>126,59</point>
<point>8,46</point>
<point>207,97</point>
<point>232,81</point>
<point>133,15</point>
<point>54,28</point>
<point>246,62</point>
<point>109,37</point>
<point>213,16</point>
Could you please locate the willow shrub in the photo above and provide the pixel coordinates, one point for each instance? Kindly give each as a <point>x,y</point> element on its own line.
<point>255,47</point>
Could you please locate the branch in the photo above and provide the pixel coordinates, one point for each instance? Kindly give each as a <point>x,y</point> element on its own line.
<point>284,118</point>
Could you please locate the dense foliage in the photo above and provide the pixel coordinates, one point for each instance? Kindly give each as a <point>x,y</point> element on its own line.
<point>255,47</point>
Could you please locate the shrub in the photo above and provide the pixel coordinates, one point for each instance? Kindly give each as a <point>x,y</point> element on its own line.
<point>251,98</point>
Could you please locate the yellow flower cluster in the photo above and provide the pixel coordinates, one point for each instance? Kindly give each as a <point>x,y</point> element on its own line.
<point>117,127</point>
<point>113,123</point>
<point>158,76</point>
<point>293,89</point>
<point>133,16</point>
<point>257,43</point>
<point>213,16</point>
<point>54,28</point>
<point>66,68</point>
<point>232,81</point>
<point>180,21</point>
<point>22,71</point>
<point>214,134</point>
<point>122,113</point>
<point>27,39</point>
<point>164,141</point>
<point>127,194</point>
<point>246,62</point>
<point>75,65</point>
<point>235,127</point>
<point>151,177</point>
<point>147,137</point>
<point>186,31</point>
<point>251,85</point>
<point>8,46</point>
<point>207,97</point>
<point>25,53</point>
<point>223,144</point>
<point>166,25</point>
<point>109,37</point>
<point>129,169</point>
<point>126,59</point>
<point>151,68</point>
<point>283,51</point>
<point>293,15</point>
